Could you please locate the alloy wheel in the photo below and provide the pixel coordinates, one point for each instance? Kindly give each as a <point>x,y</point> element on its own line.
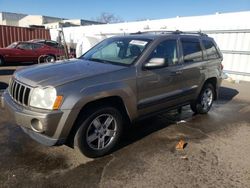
<point>101,131</point>
<point>207,99</point>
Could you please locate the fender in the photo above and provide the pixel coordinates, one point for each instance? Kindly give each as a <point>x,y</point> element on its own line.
<point>102,91</point>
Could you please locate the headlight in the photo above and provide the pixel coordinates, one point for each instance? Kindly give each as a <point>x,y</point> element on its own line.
<point>45,98</point>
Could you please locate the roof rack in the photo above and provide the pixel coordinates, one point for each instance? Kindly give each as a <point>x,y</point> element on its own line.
<point>152,32</point>
<point>170,32</point>
<point>191,32</point>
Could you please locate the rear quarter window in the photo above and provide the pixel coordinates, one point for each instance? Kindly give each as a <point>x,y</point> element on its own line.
<point>192,51</point>
<point>210,49</point>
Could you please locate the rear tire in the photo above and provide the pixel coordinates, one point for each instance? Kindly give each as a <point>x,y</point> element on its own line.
<point>99,132</point>
<point>205,100</point>
<point>2,62</point>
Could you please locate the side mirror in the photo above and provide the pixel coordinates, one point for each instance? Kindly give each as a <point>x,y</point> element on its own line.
<point>155,63</point>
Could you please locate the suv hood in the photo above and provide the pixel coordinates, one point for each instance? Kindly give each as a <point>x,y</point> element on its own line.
<point>59,73</point>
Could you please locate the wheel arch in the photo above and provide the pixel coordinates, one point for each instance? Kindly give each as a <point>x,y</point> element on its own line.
<point>214,82</point>
<point>113,101</point>
<point>53,55</point>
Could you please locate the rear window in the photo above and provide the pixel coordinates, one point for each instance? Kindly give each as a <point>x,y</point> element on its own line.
<point>192,51</point>
<point>52,44</point>
<point>210,49</point>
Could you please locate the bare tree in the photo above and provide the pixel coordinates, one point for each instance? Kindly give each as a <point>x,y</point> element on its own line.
<point>106,17</point>
<point>141,19</point>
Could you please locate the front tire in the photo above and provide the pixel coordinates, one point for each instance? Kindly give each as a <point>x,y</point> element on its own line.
<point>100,132</point>
<point>205,100</point>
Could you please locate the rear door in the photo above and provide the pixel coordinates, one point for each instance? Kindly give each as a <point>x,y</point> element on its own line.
<point>161,88</point>
<point>194,66</point>
<point>38,50</point>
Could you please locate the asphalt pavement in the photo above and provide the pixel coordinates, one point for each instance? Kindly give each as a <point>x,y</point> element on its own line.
<point>216,155</point>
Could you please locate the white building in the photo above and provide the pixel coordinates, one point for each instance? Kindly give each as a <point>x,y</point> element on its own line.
<point>24,20</point>
<point>230,30</point>
<point>68,23</point>
<point>12,19</point>
<point>38,20</point>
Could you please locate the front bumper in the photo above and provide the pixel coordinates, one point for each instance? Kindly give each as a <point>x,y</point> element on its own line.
<point>23,117</point>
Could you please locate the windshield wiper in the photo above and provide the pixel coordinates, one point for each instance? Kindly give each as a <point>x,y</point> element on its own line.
<point>99,60</point>
<point>104,61</point>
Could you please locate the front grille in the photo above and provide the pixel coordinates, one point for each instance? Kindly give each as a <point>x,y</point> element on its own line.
<point>19,92</point>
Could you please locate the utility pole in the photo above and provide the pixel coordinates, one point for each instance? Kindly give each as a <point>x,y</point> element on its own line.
<point>61,34</point>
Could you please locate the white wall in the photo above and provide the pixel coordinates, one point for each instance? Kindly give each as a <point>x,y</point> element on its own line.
<point>8,18</point>
<point>234,41</point>
<point>31,20</point>
<point>236,52</point>
<point>37,20</point>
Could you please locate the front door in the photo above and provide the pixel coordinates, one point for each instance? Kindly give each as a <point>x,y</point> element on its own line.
<point>24,52</point>
<point>162,87</point>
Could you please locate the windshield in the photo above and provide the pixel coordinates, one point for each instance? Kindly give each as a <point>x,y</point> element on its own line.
<point>123,51</point>
<point>13,45</point>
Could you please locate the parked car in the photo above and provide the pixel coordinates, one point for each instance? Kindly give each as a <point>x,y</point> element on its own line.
<point>50,43</point>
<point>28,52</point>
<point>72,53</point>
<point>86,102</point>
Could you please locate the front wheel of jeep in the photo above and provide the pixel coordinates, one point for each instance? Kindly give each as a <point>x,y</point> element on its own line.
<point>100,132</point>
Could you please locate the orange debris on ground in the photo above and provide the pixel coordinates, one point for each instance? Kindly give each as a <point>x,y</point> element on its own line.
<point>180,145</point>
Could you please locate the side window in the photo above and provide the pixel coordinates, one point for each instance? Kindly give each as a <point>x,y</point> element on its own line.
<point>52,44</point>
<point>210,48</point>
<point>168,51</point>
<point>36,46</point>
<point>25,46</point>
<point>192,51</point>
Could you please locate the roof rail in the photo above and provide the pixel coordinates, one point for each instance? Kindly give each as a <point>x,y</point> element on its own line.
<point>191,32</point>
<point>152,32</point>
<point>171,32</point>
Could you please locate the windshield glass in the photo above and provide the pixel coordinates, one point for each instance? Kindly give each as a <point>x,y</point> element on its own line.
<point>123,51</point>
<point>13,45</point>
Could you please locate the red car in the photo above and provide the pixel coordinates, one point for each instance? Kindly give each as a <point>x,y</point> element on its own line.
<point>28,52</point>
<point>72,53</point>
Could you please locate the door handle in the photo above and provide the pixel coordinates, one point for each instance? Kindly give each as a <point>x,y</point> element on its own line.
<point>178,72</point>
<point>201,67</point>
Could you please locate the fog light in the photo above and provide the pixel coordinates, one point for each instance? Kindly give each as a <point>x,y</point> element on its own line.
<point>37,126</point>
